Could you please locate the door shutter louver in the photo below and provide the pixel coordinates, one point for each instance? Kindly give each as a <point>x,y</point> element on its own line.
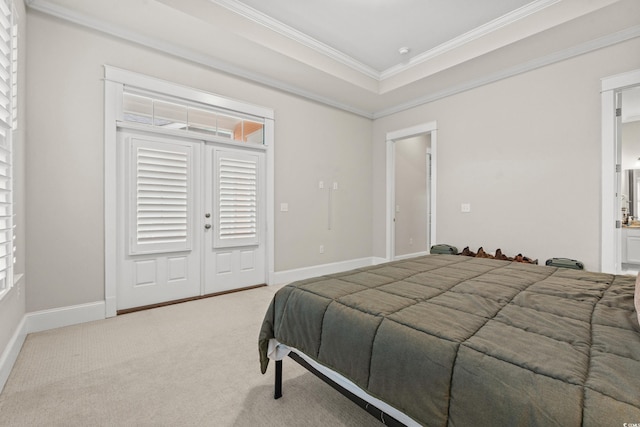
<point>162,197</point>
<point>236,199</point>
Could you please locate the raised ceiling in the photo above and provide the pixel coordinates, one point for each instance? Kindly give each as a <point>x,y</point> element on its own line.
<point>370,33</point>
<point>345,53</point>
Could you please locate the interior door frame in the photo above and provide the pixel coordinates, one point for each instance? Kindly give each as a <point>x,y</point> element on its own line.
<point>610,257</point>
<point>425,128</point>
<point>115,80</point>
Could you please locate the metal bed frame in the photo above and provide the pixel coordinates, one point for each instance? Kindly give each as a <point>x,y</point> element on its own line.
<point>380,415</point>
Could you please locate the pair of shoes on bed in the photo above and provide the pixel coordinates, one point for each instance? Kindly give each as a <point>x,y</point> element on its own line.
<point>499,255</point>
<point>467,252</point>
<point>483,254</point>
<point>524,259</point>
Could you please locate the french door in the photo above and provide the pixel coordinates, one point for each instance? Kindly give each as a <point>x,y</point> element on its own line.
<point>234,255</point>
<point>191,218</point>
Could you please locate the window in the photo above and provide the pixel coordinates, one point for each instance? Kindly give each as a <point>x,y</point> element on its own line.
<point>8,122</point>
<point>147,110</point>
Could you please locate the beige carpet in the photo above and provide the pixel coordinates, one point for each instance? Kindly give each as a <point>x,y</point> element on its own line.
<point>190,364</point>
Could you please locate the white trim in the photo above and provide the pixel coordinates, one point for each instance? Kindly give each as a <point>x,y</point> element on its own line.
<point>115,79</point>
<point>610,239</point>
<point>506,73</point>
<point>305,40</point>
<point>407,256</point>
<point>44,320</point>
<point>432,129</point>
<point>288,276</point>
<point>164,87</point>
<point>269,137</point>
<point>11,352</point>
<point>476,33</point>
<point>113,105</point>
<point>274,25</point>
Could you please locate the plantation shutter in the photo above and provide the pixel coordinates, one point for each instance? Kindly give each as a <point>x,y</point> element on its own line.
<point>236,199</point>
<point>6,214</point>
<point>8,60</point>
<point>162,197</point>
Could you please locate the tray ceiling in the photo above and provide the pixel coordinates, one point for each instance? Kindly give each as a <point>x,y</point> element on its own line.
<point>345,53</point>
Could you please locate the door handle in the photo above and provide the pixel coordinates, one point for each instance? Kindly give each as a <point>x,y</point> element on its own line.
<point>207,226</point>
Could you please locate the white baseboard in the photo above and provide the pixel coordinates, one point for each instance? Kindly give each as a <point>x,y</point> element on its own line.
<point>401,257</point>
<point>11,351</point>
<point>288,276</point>
<point>65,316</point>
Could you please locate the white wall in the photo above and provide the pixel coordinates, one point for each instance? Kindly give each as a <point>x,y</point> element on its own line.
<point>525,153</point>
<point>65,261</point>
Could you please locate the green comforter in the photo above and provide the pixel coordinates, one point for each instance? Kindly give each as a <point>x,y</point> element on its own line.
<point>452,340</point>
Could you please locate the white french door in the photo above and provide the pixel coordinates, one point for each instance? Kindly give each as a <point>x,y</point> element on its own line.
<point>234,249</point>
<point>191,219</point>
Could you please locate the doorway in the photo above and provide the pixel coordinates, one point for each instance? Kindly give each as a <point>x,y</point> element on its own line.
<point>191,218</point>
<point>199,238</point>
<point>613,230</point>
<point>411,189</point>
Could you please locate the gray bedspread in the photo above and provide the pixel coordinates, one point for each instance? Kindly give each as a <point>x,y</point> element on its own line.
<point>459,341</point>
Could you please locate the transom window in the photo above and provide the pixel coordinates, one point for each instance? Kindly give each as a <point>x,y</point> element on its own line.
<point>173,115</point>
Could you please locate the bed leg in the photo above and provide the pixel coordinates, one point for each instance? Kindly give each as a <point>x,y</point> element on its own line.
<point>278,385</point>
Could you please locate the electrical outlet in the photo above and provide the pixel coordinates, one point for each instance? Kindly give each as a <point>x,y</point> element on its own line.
<point>410,241</point>
<point>321,249</point>
<point>465,207</point>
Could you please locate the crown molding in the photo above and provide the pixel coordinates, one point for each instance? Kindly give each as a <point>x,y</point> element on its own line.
<point>256,16</point>
<point>260,18</point>
<point>470,36</point>
<point>49,8</point>
<point>590,46</point>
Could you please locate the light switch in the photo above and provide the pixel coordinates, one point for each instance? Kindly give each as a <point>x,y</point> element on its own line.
<point>335,185</point>
<point>465,207</point>
<point>321,185</point>
<point>284,207</point>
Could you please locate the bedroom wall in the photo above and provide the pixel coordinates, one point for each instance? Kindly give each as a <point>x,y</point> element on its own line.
<point>525,153</point>
<point>65,260</point>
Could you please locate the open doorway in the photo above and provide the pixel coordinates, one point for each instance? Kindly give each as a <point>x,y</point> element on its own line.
<point>628,131</point>
<point>411,184</point>
<point>618,244</point>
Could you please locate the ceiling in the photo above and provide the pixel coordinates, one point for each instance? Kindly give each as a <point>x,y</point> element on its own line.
<point>345,53</point>
<point>370,33</point>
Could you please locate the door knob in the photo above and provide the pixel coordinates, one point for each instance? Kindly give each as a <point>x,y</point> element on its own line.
<point>207,226</point>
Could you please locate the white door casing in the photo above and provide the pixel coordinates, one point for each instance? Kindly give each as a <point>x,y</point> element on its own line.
<point>392,137</point>
<point>118,80</point>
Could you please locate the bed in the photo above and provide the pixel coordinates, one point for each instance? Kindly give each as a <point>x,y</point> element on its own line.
<point>451,340</point>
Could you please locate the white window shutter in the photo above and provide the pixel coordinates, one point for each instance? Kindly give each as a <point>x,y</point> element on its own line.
<point>161,188</point>
<point>236,198</point>
<point>6,228</point>
<point>8,60</point>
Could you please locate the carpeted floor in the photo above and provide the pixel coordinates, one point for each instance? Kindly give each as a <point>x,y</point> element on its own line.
<point>190,364</point>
